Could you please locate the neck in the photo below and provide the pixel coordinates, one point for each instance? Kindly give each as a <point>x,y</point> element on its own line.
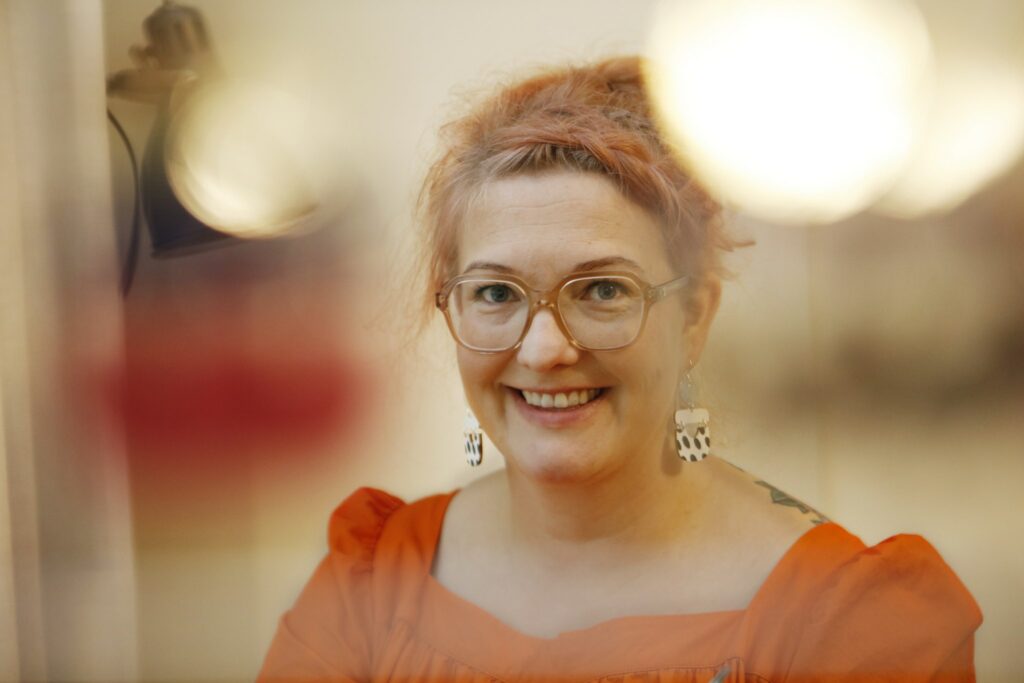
<point>639,508</point>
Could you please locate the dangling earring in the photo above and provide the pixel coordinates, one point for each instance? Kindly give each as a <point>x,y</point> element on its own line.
<point>474,437</point>
<point>693,432</point>
<point>693,435</point>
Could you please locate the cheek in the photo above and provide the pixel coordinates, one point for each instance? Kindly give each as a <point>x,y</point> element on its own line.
<point>469,367</point>
<point>658,360</point>
<point>478,370</point>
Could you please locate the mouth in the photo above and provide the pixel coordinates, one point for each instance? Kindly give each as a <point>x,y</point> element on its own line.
<point>558,401</point>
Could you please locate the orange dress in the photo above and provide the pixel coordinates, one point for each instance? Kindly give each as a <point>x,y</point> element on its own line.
<point>831,610</point>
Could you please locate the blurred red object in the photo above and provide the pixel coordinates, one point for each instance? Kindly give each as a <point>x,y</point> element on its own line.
<point>220,401</point>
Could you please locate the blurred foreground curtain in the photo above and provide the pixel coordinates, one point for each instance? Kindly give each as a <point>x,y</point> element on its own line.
<point>66,580</point>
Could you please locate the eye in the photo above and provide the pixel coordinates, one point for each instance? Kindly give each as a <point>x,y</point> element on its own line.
<point>604,290</point>
<point>496,294</point>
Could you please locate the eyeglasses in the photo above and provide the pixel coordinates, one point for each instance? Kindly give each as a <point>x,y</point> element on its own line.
<point>595,311</point>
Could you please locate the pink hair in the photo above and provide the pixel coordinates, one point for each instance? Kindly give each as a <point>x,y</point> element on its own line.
<point>594,119</point>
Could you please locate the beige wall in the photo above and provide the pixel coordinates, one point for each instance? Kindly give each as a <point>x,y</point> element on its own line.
<point>871,368</point>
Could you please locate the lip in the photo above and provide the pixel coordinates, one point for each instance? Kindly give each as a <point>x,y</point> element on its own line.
<point>556,418</point>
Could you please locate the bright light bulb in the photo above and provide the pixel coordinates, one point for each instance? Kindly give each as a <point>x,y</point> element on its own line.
<point>238,159</point>
<point>794,110</point>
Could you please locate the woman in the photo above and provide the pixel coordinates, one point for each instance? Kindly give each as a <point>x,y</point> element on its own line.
<point>578,268</point>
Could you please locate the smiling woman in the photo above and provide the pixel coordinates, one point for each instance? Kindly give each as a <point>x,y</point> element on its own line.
<point>551,228</point>
<point>577,265</point>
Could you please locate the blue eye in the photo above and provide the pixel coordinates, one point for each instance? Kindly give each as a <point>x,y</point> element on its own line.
<point>604,290</point>
<point>496,294</point>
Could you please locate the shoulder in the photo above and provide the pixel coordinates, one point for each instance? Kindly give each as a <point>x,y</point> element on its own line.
<point>355,525</point>
<point>903,575</point>
<point>326,632</point>
<point>892,607</point>
<point>761,501</point>
<point>830,573</point>
<point>742,534</point>
<point>891,611</point>
<point>371,518</point>
<point>757,517</point>
<point>828,570</point>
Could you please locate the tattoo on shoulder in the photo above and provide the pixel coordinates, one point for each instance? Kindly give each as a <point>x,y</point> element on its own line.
<point>782,498</point>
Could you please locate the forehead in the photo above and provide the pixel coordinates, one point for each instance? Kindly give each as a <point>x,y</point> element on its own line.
<point>542,224</point>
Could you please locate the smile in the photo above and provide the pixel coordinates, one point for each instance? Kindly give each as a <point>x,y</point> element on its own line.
<point>561,399</point>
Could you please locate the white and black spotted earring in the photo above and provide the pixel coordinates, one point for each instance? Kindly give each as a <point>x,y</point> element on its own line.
<point>693,431</point>
<point>474,439</point>
<point>693,434</point>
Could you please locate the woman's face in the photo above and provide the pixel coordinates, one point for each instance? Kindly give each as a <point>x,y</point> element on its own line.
<point>541,227</point>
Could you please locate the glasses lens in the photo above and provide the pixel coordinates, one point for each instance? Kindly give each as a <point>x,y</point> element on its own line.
<point>488,314</point>
<point>602,312</point>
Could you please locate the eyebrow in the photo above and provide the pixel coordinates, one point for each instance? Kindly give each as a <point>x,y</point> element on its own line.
<point>593,264</point>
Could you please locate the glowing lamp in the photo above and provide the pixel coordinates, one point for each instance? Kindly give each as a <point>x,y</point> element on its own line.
<point>235,161</point>
<point>224,158</point>
<point>793,110</point>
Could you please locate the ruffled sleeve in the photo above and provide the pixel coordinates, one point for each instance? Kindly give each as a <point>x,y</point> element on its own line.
<point>892,612</point>
<point>327,635</point>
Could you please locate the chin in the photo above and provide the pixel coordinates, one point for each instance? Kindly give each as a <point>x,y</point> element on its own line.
<point>559,465</point>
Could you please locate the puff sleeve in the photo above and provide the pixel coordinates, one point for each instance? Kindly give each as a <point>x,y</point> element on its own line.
<point>328,634</point>
<point>892,612</point>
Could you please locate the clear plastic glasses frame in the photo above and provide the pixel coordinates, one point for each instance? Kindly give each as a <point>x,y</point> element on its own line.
<point>537,299</point>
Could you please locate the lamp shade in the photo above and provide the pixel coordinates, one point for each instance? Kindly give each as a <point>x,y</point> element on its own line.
<point>173,231</point>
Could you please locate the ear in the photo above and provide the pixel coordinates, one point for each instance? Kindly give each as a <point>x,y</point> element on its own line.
<point>701,307</point>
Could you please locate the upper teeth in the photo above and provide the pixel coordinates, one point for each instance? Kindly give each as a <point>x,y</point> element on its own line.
<point>560,400</point>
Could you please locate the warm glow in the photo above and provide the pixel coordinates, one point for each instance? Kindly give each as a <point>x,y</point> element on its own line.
<point>794,110</point>
<point>238,159</point>
<point>975,127</point>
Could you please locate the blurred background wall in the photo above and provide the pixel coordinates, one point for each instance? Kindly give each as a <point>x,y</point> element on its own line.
<point>873,368</point>
<point>67,591</point>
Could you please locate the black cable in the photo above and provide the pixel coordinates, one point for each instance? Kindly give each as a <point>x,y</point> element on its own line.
<point>128,271</point>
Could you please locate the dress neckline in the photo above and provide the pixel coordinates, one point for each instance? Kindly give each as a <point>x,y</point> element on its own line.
<point>451,621</point>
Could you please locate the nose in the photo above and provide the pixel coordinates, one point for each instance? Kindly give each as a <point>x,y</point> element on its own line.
<point>545,346</point>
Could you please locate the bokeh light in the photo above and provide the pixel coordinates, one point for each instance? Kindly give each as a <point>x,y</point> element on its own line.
<point>792,110</point>
<point>241,158</point>
<point>974,130</point>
